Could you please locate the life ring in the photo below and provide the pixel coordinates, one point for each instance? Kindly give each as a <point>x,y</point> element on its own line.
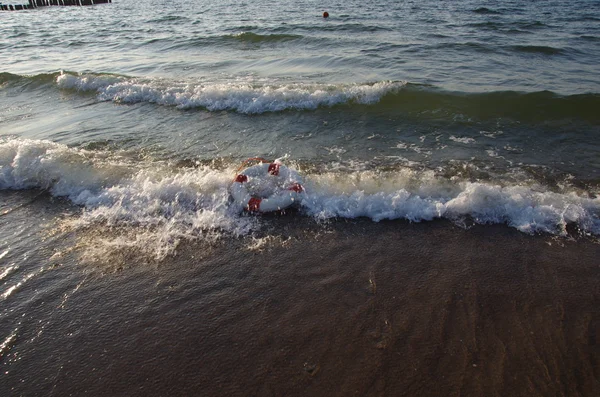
<point>274,187</point>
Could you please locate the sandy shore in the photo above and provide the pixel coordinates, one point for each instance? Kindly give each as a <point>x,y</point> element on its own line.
<point>350,308</point>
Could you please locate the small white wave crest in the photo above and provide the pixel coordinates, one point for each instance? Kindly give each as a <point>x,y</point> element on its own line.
<point>237,95</point>
<point>421,196</point>
<point>151,206</point>
<point>36,164</point>
<point>145,206</point>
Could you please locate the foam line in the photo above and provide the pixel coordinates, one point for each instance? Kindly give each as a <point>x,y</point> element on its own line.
<point>241,96</point>
<point>165,204</point>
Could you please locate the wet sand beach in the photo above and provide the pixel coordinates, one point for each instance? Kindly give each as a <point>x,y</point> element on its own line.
<point>345,308</point>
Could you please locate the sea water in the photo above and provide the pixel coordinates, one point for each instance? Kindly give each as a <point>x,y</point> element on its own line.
<point>138,112</point>
<point>122,125</point>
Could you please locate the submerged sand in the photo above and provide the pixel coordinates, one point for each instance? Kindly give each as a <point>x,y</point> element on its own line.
<point>346,308</point>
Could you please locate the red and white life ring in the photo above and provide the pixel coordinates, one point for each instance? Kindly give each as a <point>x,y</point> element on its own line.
<point>266,187</point>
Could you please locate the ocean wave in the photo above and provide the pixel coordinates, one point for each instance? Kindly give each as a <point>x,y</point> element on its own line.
<point>45,78</point>
<point>242,40</point>
<point>485,10</point>
<point>250,37</point>
<point>530,25</point>
<point>530,209</point>
<point>250,98</point>
<point>160,206</point>
<point>240,96</point>
<point>7,77</point>
<point>163,204</point>
<point>487,25</point>
<point>169,19</point>
<point>335,27</point>
<point>467,46</point>
<point>256,97</point>
<point>537,49</point>
<point>429,102</point>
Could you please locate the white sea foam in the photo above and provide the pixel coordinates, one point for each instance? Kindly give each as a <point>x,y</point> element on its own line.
<point>420,196</point>
<point>160,205</point>
<point>89,82</point>
<point>462,139</point>
<point>238,95</point>
<point>26,164</point>
<point>413,147</point>
<point>491,134</point>
<point>152,207</point>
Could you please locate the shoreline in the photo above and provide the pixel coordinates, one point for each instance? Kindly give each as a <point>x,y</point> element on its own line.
<point>359,308</point>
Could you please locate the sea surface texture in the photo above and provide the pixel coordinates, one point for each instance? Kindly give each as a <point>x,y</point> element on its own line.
<point>122,127</point>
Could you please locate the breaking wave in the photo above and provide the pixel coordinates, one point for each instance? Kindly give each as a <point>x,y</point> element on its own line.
<point>163,204</point>
<point>240,96</point>
<point>247,96</point>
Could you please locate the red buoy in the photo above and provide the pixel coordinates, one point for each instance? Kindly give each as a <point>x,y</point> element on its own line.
<point>296,187</point>
<point>325,14</point>
<point>241,178</point>
<point>253,204</point>
<point>273,169</point>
